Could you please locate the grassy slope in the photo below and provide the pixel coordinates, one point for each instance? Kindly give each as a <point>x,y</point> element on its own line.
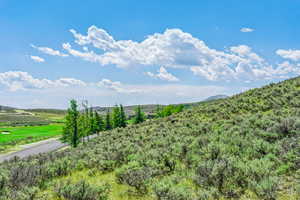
<point>15,119</point>
<point>245,147</point>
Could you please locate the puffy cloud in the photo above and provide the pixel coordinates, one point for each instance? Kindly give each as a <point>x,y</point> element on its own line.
<point>241,50</point>
<point>37,59</point>
<point>88,56</point>
<point>21,89</point>
<point>239,63</point>
<point>286,67</point>
<point>49,51</point>
<point>163,74</point>
<point>173,48</point>
<point>68,88</point>
<point>17,80</point>
<point>245,51</point>
<point>148,94</point>
<point>246,30</point>
<point>115,86</point>
<point>289,54</point>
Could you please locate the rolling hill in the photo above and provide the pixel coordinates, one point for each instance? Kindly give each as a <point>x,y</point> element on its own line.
<point>129,110</point>
<point>14,114</point>
<point>150,109</point>
<point>216,97</point>
<point>243,147</point>
<point>6,109</point>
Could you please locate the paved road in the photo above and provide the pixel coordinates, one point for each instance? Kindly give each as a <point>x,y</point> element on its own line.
<point>33,150</point>
<point>41,147</point>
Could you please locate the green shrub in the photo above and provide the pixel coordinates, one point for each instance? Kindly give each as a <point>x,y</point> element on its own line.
<point>26,193</point>
<point>3,183</point>
<point>220,173</point>
<point>266,188</point>
<point>134,175</point>
<point>166,190</point>
<point>208,194</point>
<point>81,190</point>
<point>287,126</point>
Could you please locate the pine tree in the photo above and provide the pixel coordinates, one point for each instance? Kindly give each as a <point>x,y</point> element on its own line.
<point>67,129</point>
<point>92,122</point>
<point>70,130</point>
<point>122,117</point>
<point>99,124</point>
<point>139,115</point>
<point>81,126</point>
<point>86,121</point>
<point>178,108</point>
<point>158,111</point>
<point>116,117</point>
<point>108,125</point>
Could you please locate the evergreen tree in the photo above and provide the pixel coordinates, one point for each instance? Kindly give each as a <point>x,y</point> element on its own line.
<point>122,117</point>
<point>86,121</point>
<point>67,129</point>
<point>139,115</point>
<point>70,130</point>
<point>92,122</point>
<point>108,125</point>
<point>81,126</point>
<point>158,111</point>
<point>178,108</point>
<point>116,117</point>
<point>99,124</point>
<point>168,110</point>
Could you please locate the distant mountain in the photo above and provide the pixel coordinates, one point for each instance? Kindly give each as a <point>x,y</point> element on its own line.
<point>216,97</point>
<point>129,110</point>
<point>149,109</point>
<point>6,109</point>
<point>47,110</point>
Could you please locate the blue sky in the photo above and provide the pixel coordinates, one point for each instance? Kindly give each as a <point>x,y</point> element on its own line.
<point>137,52</point>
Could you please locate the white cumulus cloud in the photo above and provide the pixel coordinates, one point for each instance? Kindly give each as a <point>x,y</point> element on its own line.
<point>49,51</point>
<point>246,30</point>
<point>289,54</point>
<point>37,59</point>
<point>116,86</point>
<point>20,89</point>
<point>163,74</point>
<point>173,48</point>
<point>18,80</point>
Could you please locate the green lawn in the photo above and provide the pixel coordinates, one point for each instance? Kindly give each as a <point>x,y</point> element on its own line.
<point>29,133</point>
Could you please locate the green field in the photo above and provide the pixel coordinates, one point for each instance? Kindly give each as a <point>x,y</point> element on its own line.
<point>27,126</point>
<point>29,132</point>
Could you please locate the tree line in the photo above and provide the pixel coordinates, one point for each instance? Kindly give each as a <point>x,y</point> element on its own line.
<point>79,125</point>
<point>168,110</point>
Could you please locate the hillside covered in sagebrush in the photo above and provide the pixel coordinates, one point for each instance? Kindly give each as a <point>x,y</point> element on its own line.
<point>243,147</point>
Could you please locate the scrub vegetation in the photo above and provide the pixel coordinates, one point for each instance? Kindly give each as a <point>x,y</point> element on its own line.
<point>243,147</point>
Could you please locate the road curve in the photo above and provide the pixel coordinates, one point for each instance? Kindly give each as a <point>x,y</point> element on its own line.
<point>41,147</point>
